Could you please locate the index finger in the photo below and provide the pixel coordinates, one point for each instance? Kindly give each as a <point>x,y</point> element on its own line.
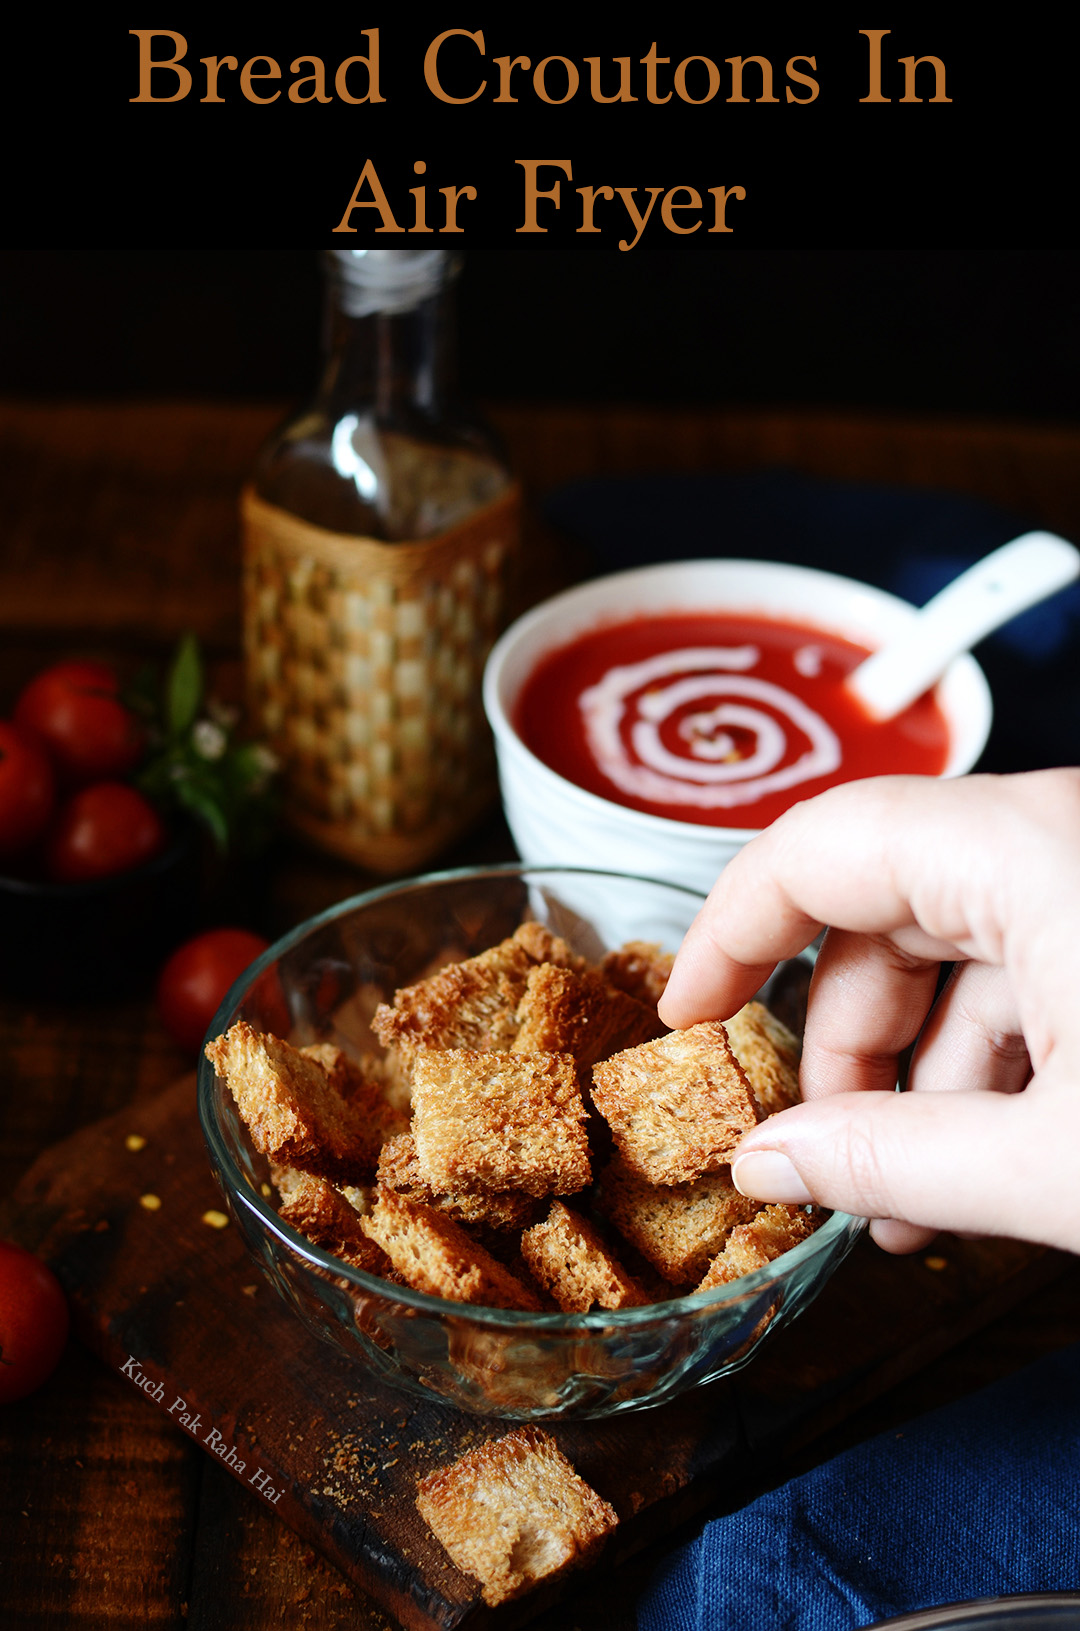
<point>749,923</point>
<point>852,858</point>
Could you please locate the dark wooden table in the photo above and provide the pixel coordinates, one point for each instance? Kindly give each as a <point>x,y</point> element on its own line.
<point>118,531</point>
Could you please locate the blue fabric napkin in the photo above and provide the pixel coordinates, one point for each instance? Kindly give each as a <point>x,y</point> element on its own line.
<point>911,541</point>
<point>977,1499</point>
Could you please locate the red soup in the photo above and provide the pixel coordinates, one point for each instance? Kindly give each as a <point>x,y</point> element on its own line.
<point>722,720</point>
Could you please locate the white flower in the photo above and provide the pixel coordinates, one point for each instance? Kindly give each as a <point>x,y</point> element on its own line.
<point>208,739</point>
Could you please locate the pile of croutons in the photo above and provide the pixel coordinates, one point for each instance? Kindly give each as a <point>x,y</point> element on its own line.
<point>560,1149</point>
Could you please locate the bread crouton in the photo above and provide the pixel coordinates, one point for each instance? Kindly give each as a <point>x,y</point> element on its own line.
<point>563,1011</point>
<point>293,1111</point>
<point>769,1054</point>
<point>366,1081</point>
<point>472,1004</point>
<point>774,1231</point>
<point>678,1228</point>
<point>568,1258</point>
<point>499,1121</point>
<point>432,1253</point>
<point>327,1218</point>
<point>399,1169</point>
<point>677,1107</point>
<point>541,946</point>
<point>338,1066</point>
<point>513,1513</point>
<point>640,969</point>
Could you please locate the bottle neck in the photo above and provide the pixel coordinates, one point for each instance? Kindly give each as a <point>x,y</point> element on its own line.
<point>395,362</point>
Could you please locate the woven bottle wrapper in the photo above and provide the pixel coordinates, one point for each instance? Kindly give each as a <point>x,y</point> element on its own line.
<point>364,668</point>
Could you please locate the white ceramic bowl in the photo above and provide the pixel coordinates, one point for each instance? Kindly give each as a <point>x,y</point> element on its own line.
<point>554,821</point>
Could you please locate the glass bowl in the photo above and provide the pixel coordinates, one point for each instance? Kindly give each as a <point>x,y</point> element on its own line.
<point>322,983</point>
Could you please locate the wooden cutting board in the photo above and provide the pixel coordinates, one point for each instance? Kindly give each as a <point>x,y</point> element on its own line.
<point>179,1309</point>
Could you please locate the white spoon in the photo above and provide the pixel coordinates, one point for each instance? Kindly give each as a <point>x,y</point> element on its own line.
<point>982,599</point>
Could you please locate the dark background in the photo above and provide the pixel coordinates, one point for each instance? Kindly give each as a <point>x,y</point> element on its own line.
<point>990,332</point>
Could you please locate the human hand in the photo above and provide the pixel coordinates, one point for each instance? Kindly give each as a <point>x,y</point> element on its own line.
<point>910,872</point>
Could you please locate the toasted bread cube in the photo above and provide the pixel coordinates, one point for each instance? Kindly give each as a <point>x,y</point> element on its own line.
<point>563,1011</point>
<point>432,1253</point>
<point>366,1081</point>
<point>640,969</point>
<point>769,1054</point>
<point>677,1107</point>
<point>568,1258</point>
<point>499,1121</point>
<point>774,1231</point>
<point>292,1109</point>
<point>471,1004</point>
<point>345,1076</point>
<point>328,1219</point>
<point>513,1513</point>
<point>540,945</point>
<point>389,1071</point>
<point>399,1169</point>
<point>678,1228</point>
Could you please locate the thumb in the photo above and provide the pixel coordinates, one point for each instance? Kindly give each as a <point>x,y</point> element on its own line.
<point>972,1161</point>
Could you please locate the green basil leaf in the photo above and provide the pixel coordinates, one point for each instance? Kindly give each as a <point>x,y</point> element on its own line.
<point>184,687</point>
<point>203,805</point>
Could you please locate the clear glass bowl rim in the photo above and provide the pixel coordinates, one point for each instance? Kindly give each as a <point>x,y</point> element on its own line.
<point>605,1320</point>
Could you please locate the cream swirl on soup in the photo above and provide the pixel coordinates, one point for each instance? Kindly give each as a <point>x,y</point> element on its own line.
<point>680,728</point>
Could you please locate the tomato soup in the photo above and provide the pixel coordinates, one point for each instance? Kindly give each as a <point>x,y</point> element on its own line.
<point>715,719</point>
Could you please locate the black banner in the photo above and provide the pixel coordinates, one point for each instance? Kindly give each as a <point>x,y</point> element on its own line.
<point>483,127</point>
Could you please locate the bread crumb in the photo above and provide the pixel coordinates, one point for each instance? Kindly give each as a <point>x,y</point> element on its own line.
<point>216,1220</point>
<point>135,1141</point>
<point>936,1263</point>
<point>152,1203</point>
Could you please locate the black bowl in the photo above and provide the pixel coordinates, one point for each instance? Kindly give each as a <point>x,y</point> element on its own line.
<point>106,935</point>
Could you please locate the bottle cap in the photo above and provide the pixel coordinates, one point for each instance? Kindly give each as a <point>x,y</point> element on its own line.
<point>390,280</point>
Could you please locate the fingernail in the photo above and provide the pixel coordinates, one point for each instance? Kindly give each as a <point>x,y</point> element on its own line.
<point>768,1175</point>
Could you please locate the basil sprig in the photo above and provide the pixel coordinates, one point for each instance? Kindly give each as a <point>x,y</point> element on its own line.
<point>196,761</point>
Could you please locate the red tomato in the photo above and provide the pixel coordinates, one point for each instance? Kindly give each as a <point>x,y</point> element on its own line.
<point>33,1322</point>
<point>193,983</point>
<point>27,789</point>
<point>105,828</point>
<point>76,712</point>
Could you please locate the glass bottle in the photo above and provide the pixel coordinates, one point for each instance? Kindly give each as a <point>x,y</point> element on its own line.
<point>380,535</point>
